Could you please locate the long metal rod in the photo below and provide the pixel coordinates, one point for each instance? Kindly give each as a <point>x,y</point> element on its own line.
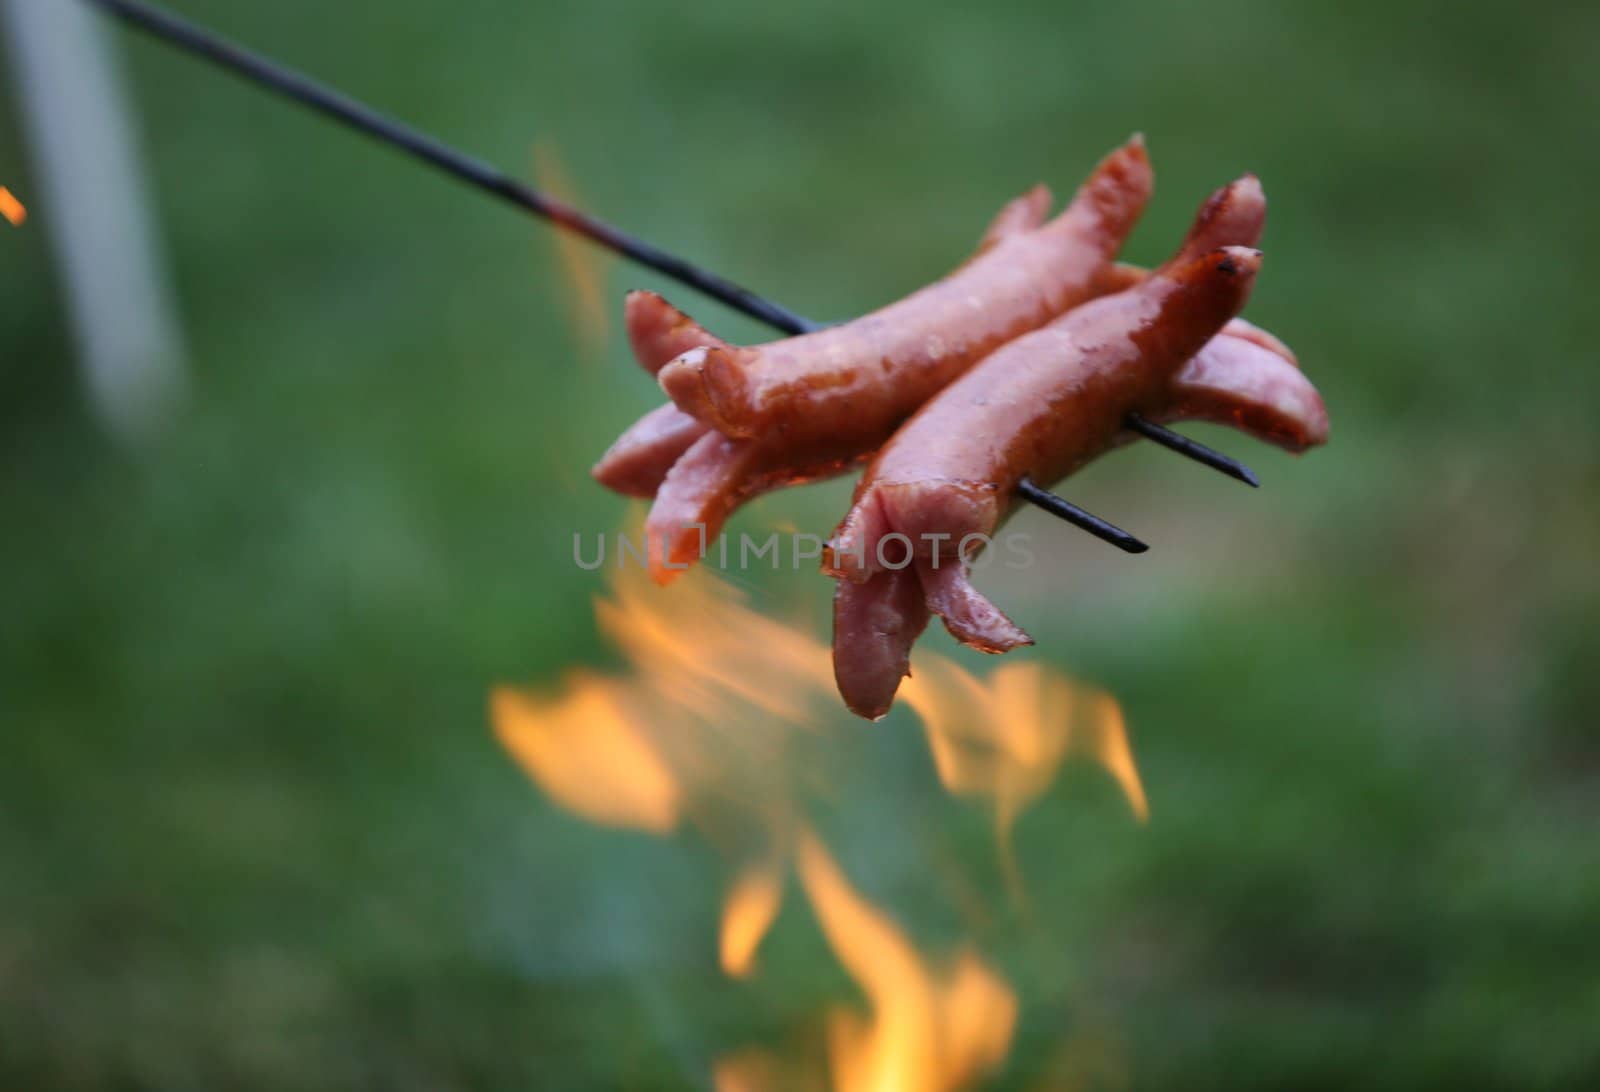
<point>342,108</point>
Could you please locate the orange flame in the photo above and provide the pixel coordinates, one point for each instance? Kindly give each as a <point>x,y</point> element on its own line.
<point>1006,738</point>
<point>11,208</point>
<point>585,751</point>
<point>717,698</point>
<point>631,751</point>
<point>705,653</point>
<point>927,1032</point>
<point>578,258</point>
<point>748,912</point>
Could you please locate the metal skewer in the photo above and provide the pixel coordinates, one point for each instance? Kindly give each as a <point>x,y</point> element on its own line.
<point>1193,449</point>
<point>357,115</point>
<point>1065,509</point>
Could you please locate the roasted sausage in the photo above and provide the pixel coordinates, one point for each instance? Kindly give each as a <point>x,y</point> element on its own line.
<point>881,366</point>
<point>852,384</point>
<point>1234,380</point>
<point>1037,408</point>
<point>1240,379</point>
<point>638,462</point>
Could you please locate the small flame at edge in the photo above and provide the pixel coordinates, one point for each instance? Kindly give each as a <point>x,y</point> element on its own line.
<point>12,209</point>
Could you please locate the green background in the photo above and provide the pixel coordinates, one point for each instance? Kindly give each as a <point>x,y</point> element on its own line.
<point>255,833</point>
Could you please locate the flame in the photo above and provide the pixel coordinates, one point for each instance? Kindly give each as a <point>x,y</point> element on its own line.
<point>708,654</point>
<point>1110,746</point>
<point>1006,738</point>
<point>578,259</point>
<point>11,208</point>
<point>632,750</point>
<point>704,727</point>
<point>748,912</point>
<point>585,750</point>
<point>927,1032</point>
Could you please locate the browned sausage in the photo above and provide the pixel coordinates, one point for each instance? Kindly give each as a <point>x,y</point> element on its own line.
<point>883,366</point>
<point>1234,380</point>
<point>878,368</point>
<point>1037,408</point>
<point>1241,379</point>
<point>983,412</point>
<point>637,463</point>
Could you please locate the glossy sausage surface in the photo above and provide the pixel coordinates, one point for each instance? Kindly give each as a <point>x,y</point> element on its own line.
<point>639,461</point>
<point>878,368</point>
<point>1037,408</point>
<point>849,387</point>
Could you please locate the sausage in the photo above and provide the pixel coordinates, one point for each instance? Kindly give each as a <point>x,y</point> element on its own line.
<point>853,384</point>
<point>1037,408</point>
<point>1041,406</point>
<point>1239,379</point>
<point>641,457</point>
<point>983,408</point>
<point>1233,380</point>
<point>875,623</point>
<point>638,462</point>
<point>877,369</point>
<point>658,332</point>
<point>1243,377</point>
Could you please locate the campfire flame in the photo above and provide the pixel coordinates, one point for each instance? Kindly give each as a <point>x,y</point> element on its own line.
<point>1005,738</point>
<point>11,208</point>
<point>751,906</point>
<point>704,730</point>
<point>585,750</point>
<point>927,1032</point>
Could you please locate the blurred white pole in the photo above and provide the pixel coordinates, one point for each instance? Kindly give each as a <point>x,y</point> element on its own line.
<point>91,196</point>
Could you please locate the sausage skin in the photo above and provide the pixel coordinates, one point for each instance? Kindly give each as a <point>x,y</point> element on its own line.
<point>1038,408</point>
<point>878,368</point>
<point>639,461</point>
<point>1234,380</point>
<point>641,457</point>
<point>851,385</point>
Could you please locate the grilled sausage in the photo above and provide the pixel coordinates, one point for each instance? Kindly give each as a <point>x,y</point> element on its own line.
<point>638,462</point>
<point>1232,381</point>
<point>1239,379</point>
<point>850,385</point>
<point>880,367</point>
<point>1037,408</point>
<point>980,412</point>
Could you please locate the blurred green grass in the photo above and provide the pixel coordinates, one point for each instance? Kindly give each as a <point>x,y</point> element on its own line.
<point>254,831</point>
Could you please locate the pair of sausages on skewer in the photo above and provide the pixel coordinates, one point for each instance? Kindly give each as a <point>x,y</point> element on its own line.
<point>1016,374</point>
